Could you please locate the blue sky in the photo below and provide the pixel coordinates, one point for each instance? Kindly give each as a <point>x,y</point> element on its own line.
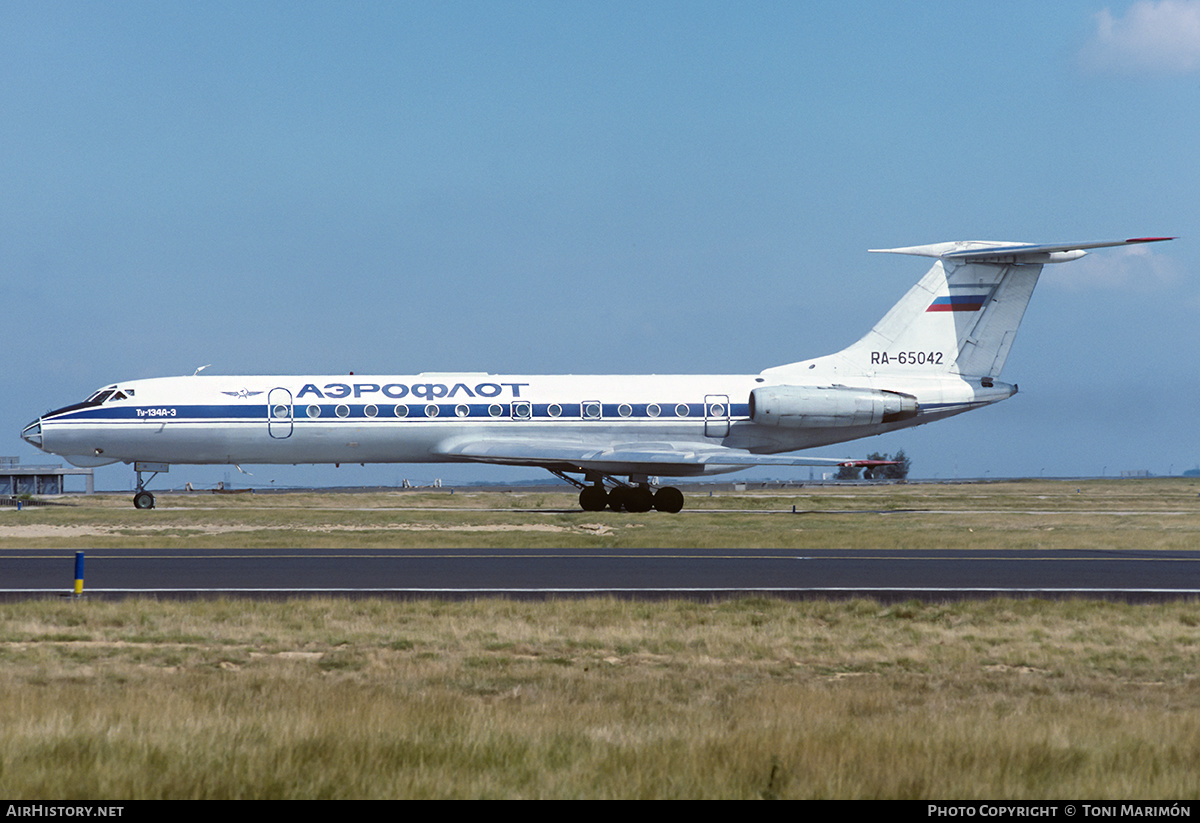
<point>615,187</point>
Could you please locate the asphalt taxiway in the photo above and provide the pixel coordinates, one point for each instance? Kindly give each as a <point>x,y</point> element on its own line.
<point>935,574</point>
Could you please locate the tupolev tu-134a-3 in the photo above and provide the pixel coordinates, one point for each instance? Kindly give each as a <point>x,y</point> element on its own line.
<point>937,353</point>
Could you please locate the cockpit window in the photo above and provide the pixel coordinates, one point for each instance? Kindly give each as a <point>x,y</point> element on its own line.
<point>118,395</point>
<point>100,396</point>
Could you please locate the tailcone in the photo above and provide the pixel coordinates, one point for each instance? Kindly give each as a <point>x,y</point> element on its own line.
<point>994,387</point>
<point>988,390</point>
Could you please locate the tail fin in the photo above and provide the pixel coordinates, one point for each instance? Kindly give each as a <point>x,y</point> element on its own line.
<point>962,317</point>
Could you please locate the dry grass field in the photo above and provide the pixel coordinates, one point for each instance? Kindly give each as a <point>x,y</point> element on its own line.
<point>600,698</point>
<point>1097,514</point>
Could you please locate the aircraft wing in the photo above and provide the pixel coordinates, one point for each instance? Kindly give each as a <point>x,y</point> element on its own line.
<point>640,458</point>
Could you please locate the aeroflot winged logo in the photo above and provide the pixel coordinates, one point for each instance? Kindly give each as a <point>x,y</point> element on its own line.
<point>243,393</point>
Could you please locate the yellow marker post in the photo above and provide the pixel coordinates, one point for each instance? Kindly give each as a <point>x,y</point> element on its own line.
<point>79,574</point>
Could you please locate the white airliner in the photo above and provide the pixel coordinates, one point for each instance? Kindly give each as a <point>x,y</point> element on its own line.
<point>937,353</point>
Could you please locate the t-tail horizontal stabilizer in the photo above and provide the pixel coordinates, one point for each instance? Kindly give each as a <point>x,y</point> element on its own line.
<point>991,251</point>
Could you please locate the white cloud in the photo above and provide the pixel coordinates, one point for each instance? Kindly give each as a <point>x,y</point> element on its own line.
<point>1134,269</point>
<point>1162,37</point>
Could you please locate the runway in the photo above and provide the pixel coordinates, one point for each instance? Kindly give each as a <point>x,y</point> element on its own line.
<point>937,574</point>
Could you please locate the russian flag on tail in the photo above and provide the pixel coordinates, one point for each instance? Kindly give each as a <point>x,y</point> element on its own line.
<point>958,302</point>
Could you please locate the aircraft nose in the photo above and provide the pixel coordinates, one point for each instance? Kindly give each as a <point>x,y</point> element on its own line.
<point>32,433</point>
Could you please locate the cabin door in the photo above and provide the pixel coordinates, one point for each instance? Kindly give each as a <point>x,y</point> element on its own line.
<point>279,413</point>
<point>716,415</point>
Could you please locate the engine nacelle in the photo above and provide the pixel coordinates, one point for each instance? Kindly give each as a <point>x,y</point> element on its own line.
<point>820,407</point>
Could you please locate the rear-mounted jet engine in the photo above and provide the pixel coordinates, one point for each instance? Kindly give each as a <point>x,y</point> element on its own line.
<point>797,407</point>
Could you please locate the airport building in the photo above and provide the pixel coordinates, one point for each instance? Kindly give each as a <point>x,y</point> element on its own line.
<point>16,479</point>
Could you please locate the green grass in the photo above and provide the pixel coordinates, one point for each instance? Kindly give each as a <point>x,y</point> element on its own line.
<point>598,698</point>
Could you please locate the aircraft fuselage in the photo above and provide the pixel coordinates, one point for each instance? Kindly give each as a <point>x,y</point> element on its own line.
<point>417,418</point>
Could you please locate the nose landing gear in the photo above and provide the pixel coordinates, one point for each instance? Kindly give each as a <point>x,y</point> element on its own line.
<point>143,499</point>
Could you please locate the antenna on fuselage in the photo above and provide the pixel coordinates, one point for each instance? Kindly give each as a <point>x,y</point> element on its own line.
<point>202,368</point>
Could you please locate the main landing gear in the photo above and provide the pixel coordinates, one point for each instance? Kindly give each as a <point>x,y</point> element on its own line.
<point>636,496</point>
